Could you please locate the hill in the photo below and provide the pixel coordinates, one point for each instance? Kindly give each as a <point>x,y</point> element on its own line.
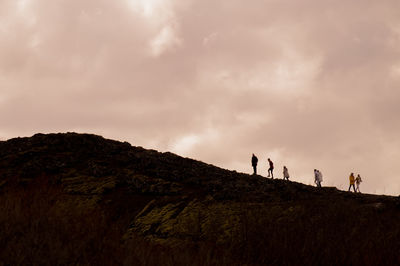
<point>82,199</point>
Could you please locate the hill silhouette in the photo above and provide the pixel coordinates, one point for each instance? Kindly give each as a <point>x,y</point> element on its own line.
<point>82,199</point>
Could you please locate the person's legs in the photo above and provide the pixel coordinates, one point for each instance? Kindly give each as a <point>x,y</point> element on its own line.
<point>349,187</point>
<point>270,173</point>
<point>255,169</point>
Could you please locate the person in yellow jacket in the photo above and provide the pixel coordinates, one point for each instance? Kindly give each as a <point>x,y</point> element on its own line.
<point>352,181</point>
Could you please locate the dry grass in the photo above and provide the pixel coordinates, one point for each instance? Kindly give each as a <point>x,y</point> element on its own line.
<point>41,225</point>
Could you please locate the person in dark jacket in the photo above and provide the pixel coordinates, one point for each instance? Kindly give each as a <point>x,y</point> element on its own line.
<point>271,168</point>
<point>254,161</point>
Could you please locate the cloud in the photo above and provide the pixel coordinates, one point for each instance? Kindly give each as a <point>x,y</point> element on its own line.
<point>311,84</point>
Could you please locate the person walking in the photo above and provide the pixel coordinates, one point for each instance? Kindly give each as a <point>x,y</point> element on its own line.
<point>358,181</point>
<point>352,180</point>
<point>271,168</point>
<point>318,177</point>
<point>285,173</point>
<point>254,161</point>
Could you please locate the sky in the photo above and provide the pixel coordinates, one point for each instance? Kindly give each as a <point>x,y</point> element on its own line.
<point>309,84</point>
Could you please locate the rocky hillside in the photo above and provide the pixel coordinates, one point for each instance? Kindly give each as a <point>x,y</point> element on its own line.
<point>82,199</point>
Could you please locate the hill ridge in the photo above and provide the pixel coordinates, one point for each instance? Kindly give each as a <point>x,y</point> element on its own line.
<point>165,199</point>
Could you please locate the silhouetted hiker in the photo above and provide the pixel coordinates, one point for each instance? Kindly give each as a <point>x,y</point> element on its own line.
<point>358,181</point>
<point>254,161</point>
<point>352,180</point>
<point>285,173</point>
<point>271,168</point>
<point>318,177</point>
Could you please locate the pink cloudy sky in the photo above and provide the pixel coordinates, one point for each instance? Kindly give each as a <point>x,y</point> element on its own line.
<point>310,83</point>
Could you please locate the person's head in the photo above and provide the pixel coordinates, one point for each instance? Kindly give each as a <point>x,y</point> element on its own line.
<point>352,174</point>
<point>358,175</point>
<point>269,159</point>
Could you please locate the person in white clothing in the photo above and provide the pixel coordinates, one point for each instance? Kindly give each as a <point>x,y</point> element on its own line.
<point>358,181</point>
<point>318,177</point>
<point>285,173</point>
